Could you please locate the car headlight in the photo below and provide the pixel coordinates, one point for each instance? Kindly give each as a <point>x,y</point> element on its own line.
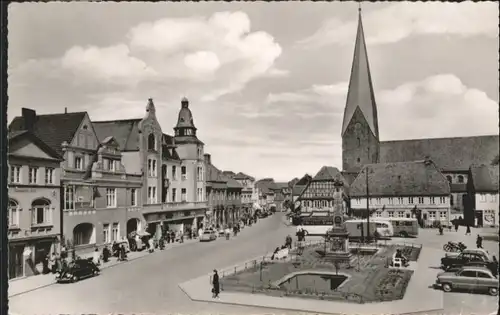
<point>68,275</point>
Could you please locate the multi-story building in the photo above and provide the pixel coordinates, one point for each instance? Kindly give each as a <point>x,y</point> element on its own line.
<point>223,195</point>
<point>299,186</point>
<point>322,191</point>
<point>170,196</point>
<point>281,192</point>
<point>403,189</point>
<point>483,189</point>
<point>266,192</point>
<point>98,195</point>
<point>247,192</point>
<point>34,212</point>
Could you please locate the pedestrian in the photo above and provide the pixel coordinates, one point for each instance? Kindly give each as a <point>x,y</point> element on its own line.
<point>123,253</point>
<point>52,263</point>
<point>96,259</point>
<point>494,265</point>
<point>105,254</point>
<point>467,231</point>
<point>479,241</point>
<point>64,252</point>
<point>151,245</point>
<point>46,265</point>
<point>456,226</point>
<point>200,232</point>
<point>288,242</point>
<point>215,285</point>
<point>73,254</point>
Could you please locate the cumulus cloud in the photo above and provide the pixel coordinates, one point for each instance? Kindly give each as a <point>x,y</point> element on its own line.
<point>401,20</point>
<point>220,50</point>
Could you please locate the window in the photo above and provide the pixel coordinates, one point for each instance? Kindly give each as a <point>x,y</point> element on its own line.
<point>432,215</point>
<point>200,153</point>
<point>391,214</point>
<point>482,198</point>
<point>152,170</point>
<point>481,274</point>
<point>40,212</point>
<point>105,233</point>
<point>111,165</point>
<point>379,201</point>
<point>183,173</point>
<point>433,200</point>
<point>358,160</point>
<point>468,274</point>
<point>449,179</point>
<point>133,197</point>
<point>69,197</point>
<point>460,179</point>
<point>174,173</point>
<point>401,214</point>
<point>391,200</point>
<point>442,199</point>
<point>400,200</point>
<point>200,194</point>
<point>13,214</point>
<point>378,214</point>
<point>494,198</point>
<point>451,200</point>
<point>115,232</point>
<point>199,174</point>
<point>183,194</point>
<point>420,200</point>
<point>49,175</point>
<point>359,143</point>
<point>410,200</point>
<point>33,175</point>
<point>111,197</point>
<point>174,194</point>
<point>152,195</point>
<point>442,214</point>
<point>15,174</point>
<point>151,142</point>
<point>78,163</point>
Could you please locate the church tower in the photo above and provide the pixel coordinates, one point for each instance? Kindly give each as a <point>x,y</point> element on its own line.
<point>360,137</point>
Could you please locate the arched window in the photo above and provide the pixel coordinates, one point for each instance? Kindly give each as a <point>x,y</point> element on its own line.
<point>359,142</point>
<point>40,212</point>
<point>83,234</point>
<point>448,178</point>
<point>460,179</point>
<point>151,142</point>
<point>358,160</point>
<point>13,213</point>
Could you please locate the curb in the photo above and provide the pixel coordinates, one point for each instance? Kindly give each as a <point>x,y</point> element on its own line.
<point>102,268</point>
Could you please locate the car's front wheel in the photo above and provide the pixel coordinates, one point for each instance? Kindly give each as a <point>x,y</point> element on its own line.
<point>75,278</point>
<point>447,287</point>
<point>493,291</point>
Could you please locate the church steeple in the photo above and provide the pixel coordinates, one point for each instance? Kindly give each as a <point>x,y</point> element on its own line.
<point>360,94</point>
<point>360,137</point>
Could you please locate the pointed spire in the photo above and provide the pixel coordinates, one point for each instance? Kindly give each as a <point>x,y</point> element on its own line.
<point>360,92</point>
<point>150,108</point>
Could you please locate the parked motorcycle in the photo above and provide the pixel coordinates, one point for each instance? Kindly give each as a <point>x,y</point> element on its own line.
<point>454,247</point>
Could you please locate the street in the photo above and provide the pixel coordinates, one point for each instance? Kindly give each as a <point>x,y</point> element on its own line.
<point>150,284</point>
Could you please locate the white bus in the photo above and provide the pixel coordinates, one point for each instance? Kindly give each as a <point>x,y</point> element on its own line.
<point>404,227</point>
<point>316,223</point>
<point>358,228</point>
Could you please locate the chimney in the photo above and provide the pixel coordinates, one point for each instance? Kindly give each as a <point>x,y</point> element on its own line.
<point>65,110</point>
<point>207,158</point>
<point>29,116</point>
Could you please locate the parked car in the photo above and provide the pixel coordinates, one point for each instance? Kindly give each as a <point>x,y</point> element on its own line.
<point>208,235</point>
<point>469,257</point>
<point>469,278</point>
<point>78,269</point>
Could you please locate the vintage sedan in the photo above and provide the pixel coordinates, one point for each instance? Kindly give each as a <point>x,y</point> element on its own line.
<point>78,269</point>
<point>208,235</point>
<point>477,279</point>
<point>476,257</point>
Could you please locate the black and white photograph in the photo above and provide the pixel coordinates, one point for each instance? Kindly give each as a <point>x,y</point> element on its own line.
<point>239,157</point>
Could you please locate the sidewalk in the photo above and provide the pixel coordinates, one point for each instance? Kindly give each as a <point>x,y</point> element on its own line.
<point>23,285</point>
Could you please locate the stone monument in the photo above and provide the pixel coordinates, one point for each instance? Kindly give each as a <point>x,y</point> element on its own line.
<point>337,238</point>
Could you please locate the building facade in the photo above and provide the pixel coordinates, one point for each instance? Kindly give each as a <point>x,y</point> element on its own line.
<point>34,212</point>
<point>248,196</point>
<point>405,189</point>
<point>322,191</point>
<point>483,187</point>
<point>362,145</point>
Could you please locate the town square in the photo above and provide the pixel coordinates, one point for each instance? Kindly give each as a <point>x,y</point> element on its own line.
<point>236,158</point>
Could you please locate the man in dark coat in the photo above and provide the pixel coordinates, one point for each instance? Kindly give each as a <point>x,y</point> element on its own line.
<point>479,241</point>
<point>215,284</point>
<point>467,232</point>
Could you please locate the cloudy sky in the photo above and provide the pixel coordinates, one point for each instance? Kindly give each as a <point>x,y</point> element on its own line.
<point>267,82</point>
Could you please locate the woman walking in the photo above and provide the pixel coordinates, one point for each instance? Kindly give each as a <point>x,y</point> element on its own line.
<point>215,285</point>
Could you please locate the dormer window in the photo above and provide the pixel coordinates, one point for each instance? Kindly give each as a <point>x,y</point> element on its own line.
<point>460,179</point>
<point>151,142</point>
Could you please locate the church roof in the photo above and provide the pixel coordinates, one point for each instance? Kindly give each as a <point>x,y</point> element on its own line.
<point>360,94</point>
<point>242,175</point>
<point>485,178</point>
<point>449,154</point>
<point>417,178</point>
<point>328,173</point>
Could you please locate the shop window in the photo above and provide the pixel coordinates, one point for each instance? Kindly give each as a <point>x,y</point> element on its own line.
<point>83,234</point>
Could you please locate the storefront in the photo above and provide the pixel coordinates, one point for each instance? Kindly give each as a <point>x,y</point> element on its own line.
<point>26,256</point>
<point>185,221</point>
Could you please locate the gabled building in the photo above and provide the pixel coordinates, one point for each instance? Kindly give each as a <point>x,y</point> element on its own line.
<point>223,195</point>
<point>299,186</point>
<point>281,192</point>
<point>483,189</point>
<point>402,189</point>
<point>247,192</point>
<point>323,191</point>
<point>266,192</point>
<point>361,144</point>
<point>34,212</point>
<point>97,190</point>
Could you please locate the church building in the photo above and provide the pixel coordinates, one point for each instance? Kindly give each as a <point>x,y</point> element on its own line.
<point>361,143</point>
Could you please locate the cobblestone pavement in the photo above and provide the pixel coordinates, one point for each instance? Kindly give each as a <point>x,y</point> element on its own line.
<point>150,284</point>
